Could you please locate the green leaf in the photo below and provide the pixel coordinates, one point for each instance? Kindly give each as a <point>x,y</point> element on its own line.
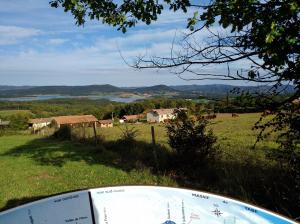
<point>269,38</point>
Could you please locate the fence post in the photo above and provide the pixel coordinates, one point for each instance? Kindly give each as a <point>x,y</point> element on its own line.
<point>155,152</point>
<point>153,135</point>
<point>83,126</point>
<point>95,132</point>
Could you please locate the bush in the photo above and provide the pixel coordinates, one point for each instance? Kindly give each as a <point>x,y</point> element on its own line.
<point>129,134</point>
<point>191,142</point>
<point>64,133</point>
<point>288,154</point>
<point>18,121</point>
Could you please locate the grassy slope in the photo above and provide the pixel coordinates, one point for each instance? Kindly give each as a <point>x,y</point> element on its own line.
<point>31,166</point>
<point>234,134</point>
<point>67,167</point>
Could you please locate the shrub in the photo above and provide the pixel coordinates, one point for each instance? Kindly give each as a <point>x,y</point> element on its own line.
<point>288,154</point>
<point>190,140</point>
<point>64,132</point>
<point>129,134</point>
<point>18,121</point>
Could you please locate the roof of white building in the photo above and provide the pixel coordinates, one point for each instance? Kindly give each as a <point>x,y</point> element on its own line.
<point>40,120</point>
<point>166,111</point>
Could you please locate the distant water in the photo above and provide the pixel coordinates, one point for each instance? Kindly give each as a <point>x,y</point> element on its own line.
<point>92,97</point>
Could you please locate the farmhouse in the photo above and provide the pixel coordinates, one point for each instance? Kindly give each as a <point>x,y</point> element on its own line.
<point>105,123</point>
<point>132,118</point>
<point>162,115</point>
<point>74,120</point>
<point>39,123</point>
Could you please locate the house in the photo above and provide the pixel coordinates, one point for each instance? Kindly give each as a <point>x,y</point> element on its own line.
<point>162,115</point>
<point>105,123</point>
<point>74,120</point>
<point>39,123</point>
<point>132,118</point>
<point>4,124</point>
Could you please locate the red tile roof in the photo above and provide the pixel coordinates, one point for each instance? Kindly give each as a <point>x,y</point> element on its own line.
<point>167,111</point>
<point>133,117</point>
<point>76,119</point>
<point>163,111</point>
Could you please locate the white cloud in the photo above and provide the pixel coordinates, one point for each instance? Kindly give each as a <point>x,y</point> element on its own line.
<point>138,38</point>
<point>57,41</point>
<point>146,42</point>
<point>103,54</point>
<point>14,34</point>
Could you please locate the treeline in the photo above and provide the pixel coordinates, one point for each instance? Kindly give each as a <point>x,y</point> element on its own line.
<point>246,102</point>
<point>147,105</point>
<point>99,108</point>
<point>61,107</point>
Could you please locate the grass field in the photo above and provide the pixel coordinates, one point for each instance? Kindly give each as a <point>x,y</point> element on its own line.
<point>6,113</point>
<point>33,167</point>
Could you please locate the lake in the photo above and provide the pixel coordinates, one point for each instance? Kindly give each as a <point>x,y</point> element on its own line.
<point>113,98</point>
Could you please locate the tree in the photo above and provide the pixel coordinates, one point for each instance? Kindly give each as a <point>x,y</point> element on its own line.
<point>263,33</point>
<point>266,34</point>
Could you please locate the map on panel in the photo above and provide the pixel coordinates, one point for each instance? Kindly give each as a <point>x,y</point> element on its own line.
<point>159,205</point>
<point>139,205</point>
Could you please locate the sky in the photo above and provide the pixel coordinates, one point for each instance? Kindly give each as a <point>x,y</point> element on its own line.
<point>40,45</point>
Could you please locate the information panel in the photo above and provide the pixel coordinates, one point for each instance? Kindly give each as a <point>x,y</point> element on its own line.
<point>139,205</point>
<point>71,208</point>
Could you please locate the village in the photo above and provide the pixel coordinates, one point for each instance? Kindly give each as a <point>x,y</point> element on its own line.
<point>153,116</point>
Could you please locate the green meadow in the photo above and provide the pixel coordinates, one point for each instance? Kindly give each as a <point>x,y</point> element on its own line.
<point>34,166</point>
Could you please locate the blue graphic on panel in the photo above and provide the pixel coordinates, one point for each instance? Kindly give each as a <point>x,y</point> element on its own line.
<point>169,222</point>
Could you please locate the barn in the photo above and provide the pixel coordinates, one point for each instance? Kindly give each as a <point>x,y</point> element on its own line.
<point>74,120</point>
<point>132,118</point>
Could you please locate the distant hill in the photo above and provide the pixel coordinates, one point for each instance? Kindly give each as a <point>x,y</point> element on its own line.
<point>221,89</point>
<point>155,89</point>
<point>183,91</point>
<point>14,87</point>
<point>61,90</point>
